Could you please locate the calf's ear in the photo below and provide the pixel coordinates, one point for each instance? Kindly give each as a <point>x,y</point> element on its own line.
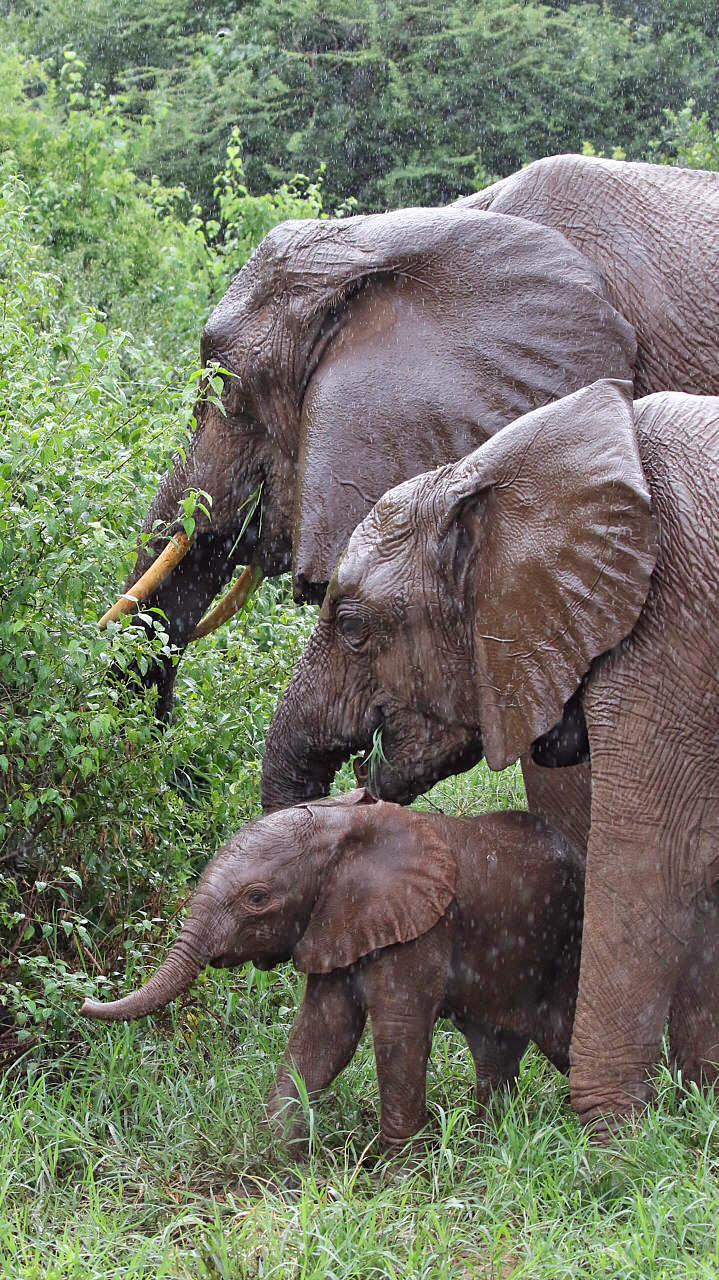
<point>391,879</point>
<point>547,538</point>
<point>358,795</point>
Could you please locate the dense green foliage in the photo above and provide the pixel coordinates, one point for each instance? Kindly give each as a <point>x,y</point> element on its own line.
<point>97,816</point>
<point>141,1151</point>
<point>403,100</point>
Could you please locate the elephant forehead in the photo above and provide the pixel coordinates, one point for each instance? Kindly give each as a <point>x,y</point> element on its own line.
<point>385,533</point>
<point>371,570</point>
<point>274,836</point>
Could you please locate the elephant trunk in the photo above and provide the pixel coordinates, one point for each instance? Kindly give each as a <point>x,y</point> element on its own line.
<point>293,770</point>
<point>178,971</point>
<point>307,740</point>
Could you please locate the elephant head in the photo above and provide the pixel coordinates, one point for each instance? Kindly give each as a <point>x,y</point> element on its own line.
<point>323,884</point>
<point>360,352</point>
<point>470,605</point>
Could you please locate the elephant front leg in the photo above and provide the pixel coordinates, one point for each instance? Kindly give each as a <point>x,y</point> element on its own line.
<point>497,1055</point>
<point>405,988</point>
<point>636,931</point>
<point>694,1014</point>
<point>322,1041</point>
<point>648,860</point>
<point>562,796</point>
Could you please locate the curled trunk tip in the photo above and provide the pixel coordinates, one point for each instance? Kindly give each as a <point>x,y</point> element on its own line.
<point>95,1009</point>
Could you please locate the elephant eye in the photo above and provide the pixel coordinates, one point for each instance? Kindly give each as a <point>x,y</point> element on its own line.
<point>257,898</point>
<point>353,626</point>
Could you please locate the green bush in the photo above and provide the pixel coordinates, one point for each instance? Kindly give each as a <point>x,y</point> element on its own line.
<point>102,821</point>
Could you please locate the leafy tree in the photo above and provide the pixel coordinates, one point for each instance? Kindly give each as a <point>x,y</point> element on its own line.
<point>97,821</point>
<point>687,139</point>
<point>401,100</point>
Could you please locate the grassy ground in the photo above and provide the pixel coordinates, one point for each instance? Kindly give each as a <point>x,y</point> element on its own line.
<point>142,1152</point>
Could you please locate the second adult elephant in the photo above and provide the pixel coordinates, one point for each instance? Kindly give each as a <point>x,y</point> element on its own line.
<point>624,218</point>
<point>531,596</point>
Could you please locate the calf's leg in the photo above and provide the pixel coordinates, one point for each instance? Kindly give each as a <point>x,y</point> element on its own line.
<point>405,988</point>
<point>323,1039</point>
<point>497,1055</point>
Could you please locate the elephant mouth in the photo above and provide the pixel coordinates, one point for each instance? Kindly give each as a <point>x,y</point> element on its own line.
<point>401,781</point>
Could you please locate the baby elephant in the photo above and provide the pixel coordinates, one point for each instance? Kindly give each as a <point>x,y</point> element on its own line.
<point>406,916</point>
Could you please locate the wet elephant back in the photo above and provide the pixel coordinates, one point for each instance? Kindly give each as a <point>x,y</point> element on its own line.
<point>653,233</point>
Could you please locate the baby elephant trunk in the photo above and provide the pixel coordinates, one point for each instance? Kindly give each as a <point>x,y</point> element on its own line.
<point>176,974</point>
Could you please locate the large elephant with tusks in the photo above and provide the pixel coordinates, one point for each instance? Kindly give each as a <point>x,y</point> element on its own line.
<point>363,351</point>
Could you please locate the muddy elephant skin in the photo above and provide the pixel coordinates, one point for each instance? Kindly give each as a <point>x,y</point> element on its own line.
<point>404,916</point>
<point>538,595</point>
<point>363,351</point>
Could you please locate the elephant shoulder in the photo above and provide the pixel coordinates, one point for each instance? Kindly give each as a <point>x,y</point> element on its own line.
<point>542,187</point>
<point>678,423</point>
<point>678,436</point>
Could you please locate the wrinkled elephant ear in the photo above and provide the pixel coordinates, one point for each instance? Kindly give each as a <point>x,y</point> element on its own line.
<point>392,880</point>
<point>448,324</point>
<point>550,538</point>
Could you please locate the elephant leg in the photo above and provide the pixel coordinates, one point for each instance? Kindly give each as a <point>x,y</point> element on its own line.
<point>497,1054</point>
<point>405,989</point>
<point>322,1041</point>
<point>694,1013</point>
<point>638,908</point>
<point>562,796</point>
<point>631,953</point>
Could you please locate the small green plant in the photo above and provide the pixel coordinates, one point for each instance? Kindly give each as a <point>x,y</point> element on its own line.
<point>250,505</point>
<point>374,757</point>
<point>687,139</point>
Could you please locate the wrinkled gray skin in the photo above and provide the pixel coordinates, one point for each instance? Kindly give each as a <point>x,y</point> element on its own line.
<point>651,232</point>
<point>403,916</point>
<point>472,605</point>
<point>370,349</point>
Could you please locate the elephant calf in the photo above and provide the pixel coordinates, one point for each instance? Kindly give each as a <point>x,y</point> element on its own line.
<point>406,916</point>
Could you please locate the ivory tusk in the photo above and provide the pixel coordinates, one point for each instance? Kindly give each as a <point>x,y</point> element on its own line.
<point>152,578</point>
<point>232,601</point>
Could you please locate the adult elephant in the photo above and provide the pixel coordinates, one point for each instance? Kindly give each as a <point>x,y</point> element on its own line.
<point>531,597</point>
<point>363,351</point>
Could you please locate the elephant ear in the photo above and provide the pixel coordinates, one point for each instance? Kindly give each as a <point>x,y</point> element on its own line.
<point>391,880</point>
<point>551,542</point>
<point>441,326</point>
<point>358,795</point>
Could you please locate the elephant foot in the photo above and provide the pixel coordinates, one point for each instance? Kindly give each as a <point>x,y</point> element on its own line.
<point>605,1106</point>
<point>699,1067</point>
<point>604,1128</point>
<point>410,1147</point>
<point>486,1090</point>
<point>407,1157</point>
<point>288,1125</point>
